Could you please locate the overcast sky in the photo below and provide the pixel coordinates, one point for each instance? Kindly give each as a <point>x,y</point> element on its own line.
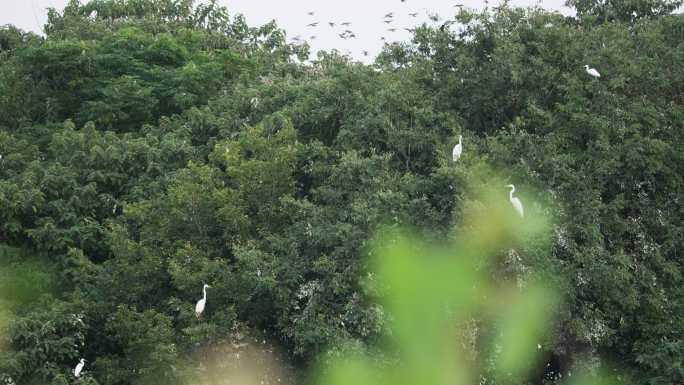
<point>366,17</point>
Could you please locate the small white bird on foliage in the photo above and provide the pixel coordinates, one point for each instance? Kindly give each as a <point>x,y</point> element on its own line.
<point>79,368</point>
<point>592,71</point>
<point>517,204</point>
<point>199,308</point>
<point>458,149</point>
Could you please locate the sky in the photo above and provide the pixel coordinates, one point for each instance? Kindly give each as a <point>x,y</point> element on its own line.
<point>366,18</point>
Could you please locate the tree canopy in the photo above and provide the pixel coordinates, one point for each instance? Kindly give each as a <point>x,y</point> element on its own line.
<point>151,146</point>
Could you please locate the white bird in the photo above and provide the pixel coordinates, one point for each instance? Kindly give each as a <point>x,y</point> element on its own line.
<point>517,205</point>
<point>79,367</point>
<point>458,149</point>
<point>592,71</point>
<point>199,308</point>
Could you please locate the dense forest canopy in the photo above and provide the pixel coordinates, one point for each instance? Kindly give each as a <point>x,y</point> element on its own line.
<point>151,146</point>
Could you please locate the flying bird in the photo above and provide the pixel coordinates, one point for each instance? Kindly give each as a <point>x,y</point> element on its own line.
<point>434,17</point>
<point>515,201</point>
<point>312,24</point>
<point>458,149</point>
<point>387,21</point>
<point>592,71</point>
<point>389,15</point>
<point>413,14</point>
<point>346,24</point>
<point>392,29</point>
<point>79,368</point>
<point>199,308</point>
<point>310,13</point>
<point>332,24</point>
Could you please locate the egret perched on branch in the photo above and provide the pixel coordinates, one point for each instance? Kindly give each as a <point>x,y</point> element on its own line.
<point>79,367</point>
<point>458,149</point>
<point>592,71</point>
<point>199,308</point>
<point>515,201</point>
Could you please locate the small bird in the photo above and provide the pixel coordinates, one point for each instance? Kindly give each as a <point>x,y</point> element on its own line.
<point>458,149</point>
<point>387,21</point>
<point>199,308</point>
<point>392,29</point>
<point>389,15</point>
<point>365,53</point>
<point>413,14</point>
<point>515,201</point>
<point>310,13</point>
<point>346,24</point>
<point>330,23</point>
<point>79,367</point>
<point>312,24</point>
<point>592,71</point>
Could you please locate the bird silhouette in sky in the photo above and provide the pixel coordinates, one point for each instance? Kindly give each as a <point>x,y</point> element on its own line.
<point>312,24</point>
<point>413,14</point>
<point>332,24</point>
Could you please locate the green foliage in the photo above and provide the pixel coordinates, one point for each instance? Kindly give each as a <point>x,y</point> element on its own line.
<point>151,146</point>
<point>624,10</point>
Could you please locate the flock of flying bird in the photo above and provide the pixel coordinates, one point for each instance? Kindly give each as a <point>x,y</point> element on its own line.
<point>346,33</point>
<point>456,155</point>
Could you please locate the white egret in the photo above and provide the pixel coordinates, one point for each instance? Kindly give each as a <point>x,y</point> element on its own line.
<point>592,71</point>
<point>517,204</point>
<point>79,368</point>
<point>199,308</point>
<point>458,149</point>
